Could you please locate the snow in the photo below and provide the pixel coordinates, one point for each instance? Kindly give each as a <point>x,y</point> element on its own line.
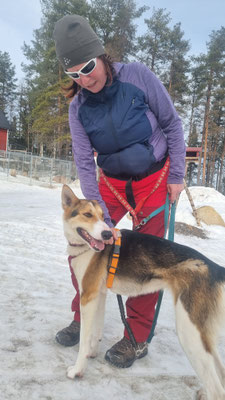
<point>36,294</point>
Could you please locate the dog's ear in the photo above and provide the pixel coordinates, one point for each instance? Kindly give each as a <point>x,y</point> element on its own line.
<point>69,199</point>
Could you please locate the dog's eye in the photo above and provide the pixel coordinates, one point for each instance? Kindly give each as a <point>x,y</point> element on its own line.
<point>88,215</point>
<point>74,213</point>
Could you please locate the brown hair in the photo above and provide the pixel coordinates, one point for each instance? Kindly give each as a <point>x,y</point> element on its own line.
<point>73,89</point>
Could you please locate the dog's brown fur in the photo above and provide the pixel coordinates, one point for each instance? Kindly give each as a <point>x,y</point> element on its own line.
<point>94,275</point>
<point>146,264</point>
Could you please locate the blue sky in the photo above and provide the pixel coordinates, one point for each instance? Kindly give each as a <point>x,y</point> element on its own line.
<point>198,18</point>
<point>18,19</point>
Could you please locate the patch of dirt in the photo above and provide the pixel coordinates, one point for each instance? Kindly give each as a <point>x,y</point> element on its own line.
<point>189,230</point>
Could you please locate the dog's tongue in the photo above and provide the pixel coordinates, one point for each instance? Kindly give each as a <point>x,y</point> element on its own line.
<point>97,244</point>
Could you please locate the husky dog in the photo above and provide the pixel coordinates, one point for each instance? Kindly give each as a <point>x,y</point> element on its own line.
<point>146,264</point>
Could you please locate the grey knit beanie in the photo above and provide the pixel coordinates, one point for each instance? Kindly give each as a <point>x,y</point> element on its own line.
<point>75,41</point>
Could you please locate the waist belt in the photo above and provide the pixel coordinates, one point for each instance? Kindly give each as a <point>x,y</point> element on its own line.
<point>124,177</point>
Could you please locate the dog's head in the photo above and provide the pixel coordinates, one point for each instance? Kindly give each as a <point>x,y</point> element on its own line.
<point>84,221</point>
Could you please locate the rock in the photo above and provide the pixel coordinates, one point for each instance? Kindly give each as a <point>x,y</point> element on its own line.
<point>210,216</point>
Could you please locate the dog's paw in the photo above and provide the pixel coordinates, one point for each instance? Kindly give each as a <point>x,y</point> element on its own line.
<point>73,372</point>
<point>201,395</point>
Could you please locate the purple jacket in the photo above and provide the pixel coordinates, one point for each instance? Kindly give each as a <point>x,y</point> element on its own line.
<point>167,132</point>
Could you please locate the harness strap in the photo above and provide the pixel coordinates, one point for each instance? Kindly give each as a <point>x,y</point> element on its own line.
<point>113,262</point>
<point>161,177</point>
<point>120,198</point>
<point>124,202</point>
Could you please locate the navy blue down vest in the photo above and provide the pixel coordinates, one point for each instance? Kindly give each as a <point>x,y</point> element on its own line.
<point>116,123</point>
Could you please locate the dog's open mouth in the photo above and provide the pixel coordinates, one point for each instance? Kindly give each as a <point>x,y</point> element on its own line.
<point>97,245</point>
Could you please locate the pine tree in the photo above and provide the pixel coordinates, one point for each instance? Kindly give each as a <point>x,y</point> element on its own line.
<point>196,93</point>
<point>216,135</point>
<point>176,77</point>
<point>50,126</point>
<point>154,43</point>
<point>44,76</point>
<point>165,52</point>
<point>7,85</point>
<point>113,21</point>
<point>215,75</point>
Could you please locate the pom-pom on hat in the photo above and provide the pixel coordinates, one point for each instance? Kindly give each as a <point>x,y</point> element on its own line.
<point>75,41</point>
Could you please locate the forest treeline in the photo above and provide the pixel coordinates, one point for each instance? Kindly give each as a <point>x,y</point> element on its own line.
<point>38,110</point>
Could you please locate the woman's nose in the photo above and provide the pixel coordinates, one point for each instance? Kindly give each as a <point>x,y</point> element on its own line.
<point>84,80</point>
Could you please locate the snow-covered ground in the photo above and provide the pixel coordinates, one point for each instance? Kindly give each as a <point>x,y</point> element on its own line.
<point>36,294</point>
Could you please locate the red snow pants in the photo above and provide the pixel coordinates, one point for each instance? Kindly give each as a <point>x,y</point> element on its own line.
<point>141,309</point>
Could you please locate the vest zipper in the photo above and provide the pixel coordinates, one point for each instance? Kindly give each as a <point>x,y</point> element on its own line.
<point>113,130</point>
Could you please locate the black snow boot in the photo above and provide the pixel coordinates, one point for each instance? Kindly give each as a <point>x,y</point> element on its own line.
<point>123,354</point>
<point>70,335</point>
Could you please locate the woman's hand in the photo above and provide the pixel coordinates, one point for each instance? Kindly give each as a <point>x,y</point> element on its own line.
<point>113,238</point>
<point>174,190</point>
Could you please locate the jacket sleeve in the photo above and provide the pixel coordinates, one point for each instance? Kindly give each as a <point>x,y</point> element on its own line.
<point>161,105</point>
<point>84,160</point>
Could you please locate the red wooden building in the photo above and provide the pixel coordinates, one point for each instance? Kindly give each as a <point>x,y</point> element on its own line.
<point>193,153</point>
<point>192,156</point>
<point>4,127</point>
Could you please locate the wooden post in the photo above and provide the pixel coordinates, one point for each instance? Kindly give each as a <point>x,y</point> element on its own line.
<point>192,204</point>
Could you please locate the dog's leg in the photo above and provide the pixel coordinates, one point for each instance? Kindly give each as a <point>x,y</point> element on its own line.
<point>98,325</point>
<point>201,360</point>
<point>88,314</point>
<point>201,395</point>
<point>219,367</point>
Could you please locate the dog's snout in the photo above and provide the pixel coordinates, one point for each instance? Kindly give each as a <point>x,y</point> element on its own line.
<point>106,235</point>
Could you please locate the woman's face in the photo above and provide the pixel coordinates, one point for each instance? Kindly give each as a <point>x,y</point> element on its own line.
<point>95,81</point>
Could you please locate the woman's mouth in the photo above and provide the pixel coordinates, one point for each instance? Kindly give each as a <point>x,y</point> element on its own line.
<point>91,85</point>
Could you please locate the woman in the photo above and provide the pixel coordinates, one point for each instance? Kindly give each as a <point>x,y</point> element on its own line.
<point>123,112</point>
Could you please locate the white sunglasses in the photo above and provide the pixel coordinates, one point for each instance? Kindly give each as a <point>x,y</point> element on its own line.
<point>85,70</point>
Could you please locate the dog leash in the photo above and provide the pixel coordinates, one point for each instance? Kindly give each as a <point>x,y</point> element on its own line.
<point>169,227</point>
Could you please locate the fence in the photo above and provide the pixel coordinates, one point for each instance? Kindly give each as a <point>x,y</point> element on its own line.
<point>35,168</point>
